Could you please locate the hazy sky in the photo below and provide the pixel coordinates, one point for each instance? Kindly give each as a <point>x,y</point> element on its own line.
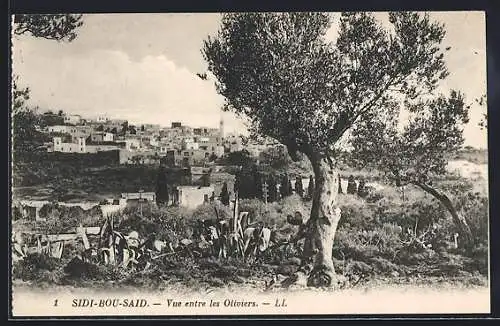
<point>142,67</point>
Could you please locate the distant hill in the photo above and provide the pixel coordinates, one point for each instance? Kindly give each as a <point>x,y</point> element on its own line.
<point>473,155</point>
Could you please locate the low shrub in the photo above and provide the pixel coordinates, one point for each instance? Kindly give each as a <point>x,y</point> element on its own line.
<point>209,211</point>
<point>269,213</point>
<point>362,245</point>
<point>355,212</point>
<point>34,267</point>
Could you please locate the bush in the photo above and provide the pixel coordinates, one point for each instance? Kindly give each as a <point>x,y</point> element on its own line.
<point>259,211</point>
<point>474,208</point>
<point>78,269</point>
<point>292,204</point>
<point>362,192</point>
<point>143,226</point>
<point>351,185</point>
<point>275,213</point>
<point>373,196</point>
<point>361,245</point>
<point>355,213</point>
<point>479,259</point>
<point>167,223</point>
<point>62,219</point>
<point>34,267</point>
<point>357,270</point>
<point>450,264</point>
<point>384,266</point>
<point>409,257</point>
<point>209,211</point>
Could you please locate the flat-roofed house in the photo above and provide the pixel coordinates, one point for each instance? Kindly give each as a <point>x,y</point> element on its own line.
<point>193,196</point>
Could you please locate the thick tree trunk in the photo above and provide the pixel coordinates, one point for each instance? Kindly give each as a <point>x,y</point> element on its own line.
<point>322,225</point>
<point>458,219</point>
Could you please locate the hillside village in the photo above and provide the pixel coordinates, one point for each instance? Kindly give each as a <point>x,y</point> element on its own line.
<point>182,145</point>
<point>191,155</point>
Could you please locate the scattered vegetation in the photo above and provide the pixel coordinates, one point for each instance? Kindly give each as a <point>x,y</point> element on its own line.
<point>379,237</point>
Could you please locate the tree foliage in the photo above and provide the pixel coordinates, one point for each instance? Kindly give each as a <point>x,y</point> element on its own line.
<point>276,157</point>
<point>24,133</point>
<point>20,96</point>
<point>418,152</point>
<point>279,71</point>
<point>54,27</point>
<point>248,183</point>
<point>59,27</point>
<point>433,131</point>
<point>351,185</point>
<point>483,123</point>
<point>162,187</point>
<point>124,128</point>
<point>26,120</point>
<point>224,195</point>
<point>362,192</point>
<point>50,119</point>
<point>241,158</point>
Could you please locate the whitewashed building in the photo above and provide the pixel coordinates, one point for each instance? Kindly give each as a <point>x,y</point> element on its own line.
<point>192,196</point>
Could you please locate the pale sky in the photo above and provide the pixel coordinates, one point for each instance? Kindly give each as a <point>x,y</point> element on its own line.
<point>142,67</point>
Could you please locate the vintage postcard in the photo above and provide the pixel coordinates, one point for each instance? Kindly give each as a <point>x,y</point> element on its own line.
<point>211,164</point>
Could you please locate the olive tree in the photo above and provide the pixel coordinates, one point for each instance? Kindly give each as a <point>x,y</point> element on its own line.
<point>419,151</point>
<point>280,71</point>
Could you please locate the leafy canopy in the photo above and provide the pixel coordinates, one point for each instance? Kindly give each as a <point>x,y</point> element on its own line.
<point>279,70</point>
<point>57,27</point>
<point>422,147</point>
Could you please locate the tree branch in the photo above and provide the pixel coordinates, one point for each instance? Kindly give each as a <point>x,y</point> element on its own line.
<point>459,220</point>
